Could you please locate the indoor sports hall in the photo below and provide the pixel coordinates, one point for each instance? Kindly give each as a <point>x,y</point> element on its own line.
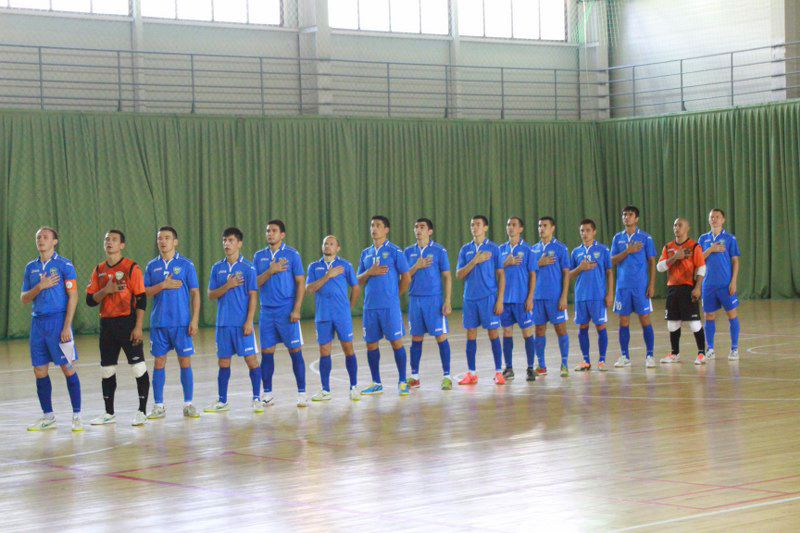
<point>173,174</point>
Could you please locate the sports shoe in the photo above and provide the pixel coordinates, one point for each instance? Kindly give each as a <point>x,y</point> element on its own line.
<point>302,400</point>
<point>671,358</point>
<point>508,373</point>
<point>649,362</point>
<point>267,400</point>
<point>469,379</point>
<point>710,354</point>
<point>601,366</point>
<point>564,371</point>
<point>77,424</point>
<point>583,367</point>
<point>530,375</point>
<point>189,411</point>
<point>354,394</point>
<point>541,371</point>
<point>622,361</point>
<point>322,396</point>
<point>734,355</point>
<point>374,390</point>
<point>701,359</point>
<point>43,424</point>
<point>499,379</point>
<point>104,419</point>
<point>403,388</point>
<point>447,383</point>
<point>159,411</point>
<point>217,407</point>
<point>413,383</point>
<point>139,419</point>
<point>258,407</point>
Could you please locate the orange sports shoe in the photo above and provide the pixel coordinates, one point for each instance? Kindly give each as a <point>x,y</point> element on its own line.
<point>499,379</point>
<point>469,379</point>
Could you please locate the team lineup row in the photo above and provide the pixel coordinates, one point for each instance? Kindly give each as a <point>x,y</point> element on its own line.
<point>516,283</point>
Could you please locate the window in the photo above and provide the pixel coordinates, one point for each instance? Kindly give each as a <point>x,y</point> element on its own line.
<point>243,11</point>
<point>97,7</point>
<point>513,19</point>
<point>401,16</point>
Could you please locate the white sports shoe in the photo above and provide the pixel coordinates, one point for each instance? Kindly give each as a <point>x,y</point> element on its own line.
<point>258,407</point>
<point>159,411</point>
<point>734,355</point>
<point>322,396</point>
<point>355,395</point>
<point>189,411</point>
<point>710,355</point>
<point>622,361</point>
<point>103,420</point>
<point>44,423</point>
<point>217,407</point>
<point>701,359</point>
<point>139,419</point>
<point>267,400</point>
<point>302,400</point>
<point>77,425</point>
<point>650,362</point>
<point>671,358</point>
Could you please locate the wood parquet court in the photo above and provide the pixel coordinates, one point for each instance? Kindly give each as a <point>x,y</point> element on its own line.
<point>674,448</point>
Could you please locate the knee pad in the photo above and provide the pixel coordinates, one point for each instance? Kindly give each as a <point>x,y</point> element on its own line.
<point>108,371</point>
<point>139,369</point>
<point>673,325</point>
<point>695,326</point>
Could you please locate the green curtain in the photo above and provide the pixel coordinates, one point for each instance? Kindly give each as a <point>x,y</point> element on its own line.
<point>85,173</point>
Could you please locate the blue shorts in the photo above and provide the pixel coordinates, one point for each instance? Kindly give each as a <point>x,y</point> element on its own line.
<point>274,327</point>
<point>594,310</point>
<point>476,313</point>
<point>383,323</point>
<point>627,301</point>
<point>231,340</point>
<point>343,327</point>
<point>45,339</point>
<point>425,316</point>
<point>715,298</point>
<point>515,313</point>
<point>545,311</point>
<point>162,340</point>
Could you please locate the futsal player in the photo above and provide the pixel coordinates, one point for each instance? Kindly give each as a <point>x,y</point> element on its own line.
<point>50,284</point>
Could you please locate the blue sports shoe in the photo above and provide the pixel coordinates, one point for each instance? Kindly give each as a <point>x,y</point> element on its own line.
<point>403,388</point>
<point>376,388</point>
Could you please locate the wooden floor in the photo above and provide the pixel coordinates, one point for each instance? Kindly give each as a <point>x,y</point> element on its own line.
<point>672,448</point>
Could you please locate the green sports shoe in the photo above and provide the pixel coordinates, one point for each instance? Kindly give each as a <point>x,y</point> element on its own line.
<point>447,383</point>
<point>564,371</point>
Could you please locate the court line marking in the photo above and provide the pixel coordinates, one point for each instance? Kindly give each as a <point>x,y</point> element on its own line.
<point>78,454</point>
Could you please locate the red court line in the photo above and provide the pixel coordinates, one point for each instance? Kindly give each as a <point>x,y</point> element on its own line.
<point>768,480</point>
<point>268,457</point>
<point>162,465</point>
<point>734,504</point>
<point>776,492</point>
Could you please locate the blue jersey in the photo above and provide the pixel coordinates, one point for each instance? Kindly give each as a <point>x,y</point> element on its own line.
<point>382,292</point>
<point>482,281</point>
<point>427,281</point>
<point>232,307</point>
<point>332,300</point>
<point>50,301</point>
<point>517,276</point>
<point>549,278</point>
<point>279,289</point>
<point>591,284</point>
<point>633,271</point>
<point>718,265</point>
<point>171,306</point>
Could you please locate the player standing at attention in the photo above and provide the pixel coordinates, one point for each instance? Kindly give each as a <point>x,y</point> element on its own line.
<point>383,271</point>
<point>721,252</point>
<point>550,296</point>
<point>171,281</point>
<point>683,261</point>
<point>329,279</point>
<point>233,284</point>
<point>282,287</point>
<point>634,254</point>
<point>520,273</point>
<point>117,286</point>
<point>427,312</point>
<point>50,285</point>
<point>481,268</point>
<point>594,292</point>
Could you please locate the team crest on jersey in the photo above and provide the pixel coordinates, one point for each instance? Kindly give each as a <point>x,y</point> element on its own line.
<point>177,270</point>
<point>519,254</point>
<point>53,271</point>
<point>385,255</point>
<point>596,255</point>
<point>551,253</point>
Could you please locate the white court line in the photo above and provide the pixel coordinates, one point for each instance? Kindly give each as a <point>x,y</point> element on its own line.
<point>90,452</point>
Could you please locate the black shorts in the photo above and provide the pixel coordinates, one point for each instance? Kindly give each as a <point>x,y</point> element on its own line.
<point>115,334</point>
<point>680,305</point>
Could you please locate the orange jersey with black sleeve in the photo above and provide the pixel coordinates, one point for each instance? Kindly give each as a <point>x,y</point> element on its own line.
<point>126,273</point>
<point>682,272</point>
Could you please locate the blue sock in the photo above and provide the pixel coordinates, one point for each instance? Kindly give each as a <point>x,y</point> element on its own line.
<point>325,366</point>
<point>497,352</point>
<point>187,382</point>
<point>400,361</point>
<point>255,380</point>
<point>44,388</point>
<point>530,350</point>
<point>374,360</point>
<point>602,343</point>
<point>583,340</point>
<point>508,348</point>
<point>74,388</point>
<point>223,377</point>
<point>416,356</point>
<point>649,339</point>
<point>734,322</point>
<point>351,364</point>
<point>541,342</point>
<point>159,378</point>
<point>299,369</point>
<point>267,370</point>
<point>472,349</point>
<point>444,355</point>
<point>711,331</point>
<point>563,346</point>
<point>625,341</point>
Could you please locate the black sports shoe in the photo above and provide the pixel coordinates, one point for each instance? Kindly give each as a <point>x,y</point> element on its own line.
<point>508,373</point>
<point>531,375</point>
